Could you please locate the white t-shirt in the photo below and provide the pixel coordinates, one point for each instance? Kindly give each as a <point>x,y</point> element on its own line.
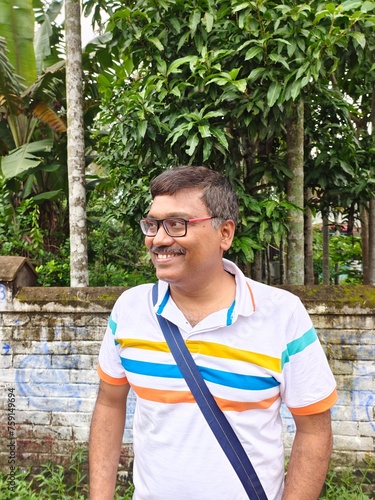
<point>261,351</point>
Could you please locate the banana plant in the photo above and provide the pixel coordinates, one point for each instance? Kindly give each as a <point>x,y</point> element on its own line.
<point>25,96</point>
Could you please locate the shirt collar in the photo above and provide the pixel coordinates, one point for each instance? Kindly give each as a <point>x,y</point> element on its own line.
<point>244,304</point>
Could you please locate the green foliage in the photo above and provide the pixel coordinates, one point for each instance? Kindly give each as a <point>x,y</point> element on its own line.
<point>192,82</point>
<point>55,482</point>
<point>350,484</point>
<point>71,484</point>
<point>345,257</point>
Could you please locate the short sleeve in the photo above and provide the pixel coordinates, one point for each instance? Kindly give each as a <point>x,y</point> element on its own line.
<point>308,385</point>
<point>110,368</point>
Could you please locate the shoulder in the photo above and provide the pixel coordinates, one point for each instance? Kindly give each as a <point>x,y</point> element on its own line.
<point>273,295</point>
<point>136,296</point>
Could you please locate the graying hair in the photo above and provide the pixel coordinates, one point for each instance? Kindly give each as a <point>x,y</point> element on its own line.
<point>218,195</point>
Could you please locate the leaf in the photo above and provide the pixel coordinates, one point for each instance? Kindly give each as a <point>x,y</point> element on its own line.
<point>241,6</point>
<point>156,42</point>
<point>253,52</point>
<point>240,85</point>
<point>359,37</point>
<point>367,6</point>
<point>255,74</point>
<point>330,7</point>
<point>194,20</point>
<point>220,135</point>
<point>173,68</point>
<point>270,207</point>
<point>47,196</point>
<point>141,129</point>
<point>277,58</point>
<point>351,4</point>
<point>204,130</point>
<point>209,21</point>
<point>192,142</point>
<point>17,23</point>
<point>207,148</point>
<point>48,116</point>
<point>273,93</point>
<point>20,160</point>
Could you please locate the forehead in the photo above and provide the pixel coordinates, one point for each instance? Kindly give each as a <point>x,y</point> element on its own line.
<point>184,203</point>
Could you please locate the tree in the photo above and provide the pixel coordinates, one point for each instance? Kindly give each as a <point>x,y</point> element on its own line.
<point>76,146</point>
<point>200,83</point>
<point>34,161</point>
<point>30,111</point>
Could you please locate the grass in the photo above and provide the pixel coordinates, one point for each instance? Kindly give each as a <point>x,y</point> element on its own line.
<point>56,482</point>
<point>350,484</point>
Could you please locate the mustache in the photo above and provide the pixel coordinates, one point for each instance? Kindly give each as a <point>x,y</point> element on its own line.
<point>156,249</point>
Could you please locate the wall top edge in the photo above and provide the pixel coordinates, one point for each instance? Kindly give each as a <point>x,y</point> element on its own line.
<point>322,299</point>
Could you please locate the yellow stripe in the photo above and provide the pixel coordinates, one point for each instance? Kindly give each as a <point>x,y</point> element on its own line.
<point>224,351</point>
<point>144,344</point>
<point>209,349</point>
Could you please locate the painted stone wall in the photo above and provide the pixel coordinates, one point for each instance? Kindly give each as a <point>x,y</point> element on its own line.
<point>50,340</point>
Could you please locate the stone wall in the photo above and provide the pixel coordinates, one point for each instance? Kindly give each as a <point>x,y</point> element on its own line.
<point>50,339</point>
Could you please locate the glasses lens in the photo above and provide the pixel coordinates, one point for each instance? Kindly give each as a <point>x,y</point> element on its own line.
<point>149,227</point>
<point>175,227</point>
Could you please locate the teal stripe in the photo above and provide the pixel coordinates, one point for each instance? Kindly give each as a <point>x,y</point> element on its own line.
<point>298,345</point>
<point>112,325</point>
<point>164,301</point>
<point>230,313</point>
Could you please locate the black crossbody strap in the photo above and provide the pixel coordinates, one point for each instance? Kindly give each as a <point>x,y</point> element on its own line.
<point>215,418</point>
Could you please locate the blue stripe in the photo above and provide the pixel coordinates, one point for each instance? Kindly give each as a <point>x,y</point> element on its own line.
<point>151,369</point>
<point>164,301</point>
<point>298,345</point>
<point>230,313</point>
<point>235,380</point>
<point>112,325</point>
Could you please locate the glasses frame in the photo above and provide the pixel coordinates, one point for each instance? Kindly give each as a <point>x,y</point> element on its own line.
<point>160,222</point>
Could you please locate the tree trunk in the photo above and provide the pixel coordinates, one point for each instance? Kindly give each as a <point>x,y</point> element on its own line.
<point>76,146</point>
<point>256,268</point>
<point>282,262</point>
<point>309,261</point>
<point>326,270</point>
<point>371,221</point>
<point>365,245</point>
<point>295,188</point>
<point>371,243</point>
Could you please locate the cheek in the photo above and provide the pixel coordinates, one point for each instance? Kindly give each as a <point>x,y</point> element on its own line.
<point>148,243</point>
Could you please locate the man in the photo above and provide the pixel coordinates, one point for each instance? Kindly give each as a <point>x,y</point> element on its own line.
<point>254,344</point>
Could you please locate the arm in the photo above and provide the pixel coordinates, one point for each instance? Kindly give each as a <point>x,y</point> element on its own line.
<point>309,460</point>
<point>107,428</point>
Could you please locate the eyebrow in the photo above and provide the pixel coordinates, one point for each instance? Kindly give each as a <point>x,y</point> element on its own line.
<point>174,215</point>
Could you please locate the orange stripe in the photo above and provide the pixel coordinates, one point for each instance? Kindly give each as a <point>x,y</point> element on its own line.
<point>251,294</point>
<point>319,407</point>
<point>111,380</point>
<point>239,406</point>
<point>161,396</point>
<point>176,397</point>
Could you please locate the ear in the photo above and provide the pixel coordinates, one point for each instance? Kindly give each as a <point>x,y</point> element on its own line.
<point>227,230</point>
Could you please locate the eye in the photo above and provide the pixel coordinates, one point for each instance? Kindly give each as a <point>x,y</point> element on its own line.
<point>176,223</point>
<point>151,224</point>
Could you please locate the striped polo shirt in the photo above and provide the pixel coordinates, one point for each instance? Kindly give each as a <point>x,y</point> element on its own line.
<point>260,352</point>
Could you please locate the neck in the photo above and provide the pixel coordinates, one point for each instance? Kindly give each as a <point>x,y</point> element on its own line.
<point>203,300</point>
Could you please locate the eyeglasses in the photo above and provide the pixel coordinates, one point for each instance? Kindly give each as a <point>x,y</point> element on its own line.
<point>173,226</point>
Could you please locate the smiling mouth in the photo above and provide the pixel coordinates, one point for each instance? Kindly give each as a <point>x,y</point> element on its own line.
<point>166,253</point>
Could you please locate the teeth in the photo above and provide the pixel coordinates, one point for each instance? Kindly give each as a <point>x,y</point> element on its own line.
<point>165,256</point>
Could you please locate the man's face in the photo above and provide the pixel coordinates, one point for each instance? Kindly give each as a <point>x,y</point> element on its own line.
<point>189,260</point>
